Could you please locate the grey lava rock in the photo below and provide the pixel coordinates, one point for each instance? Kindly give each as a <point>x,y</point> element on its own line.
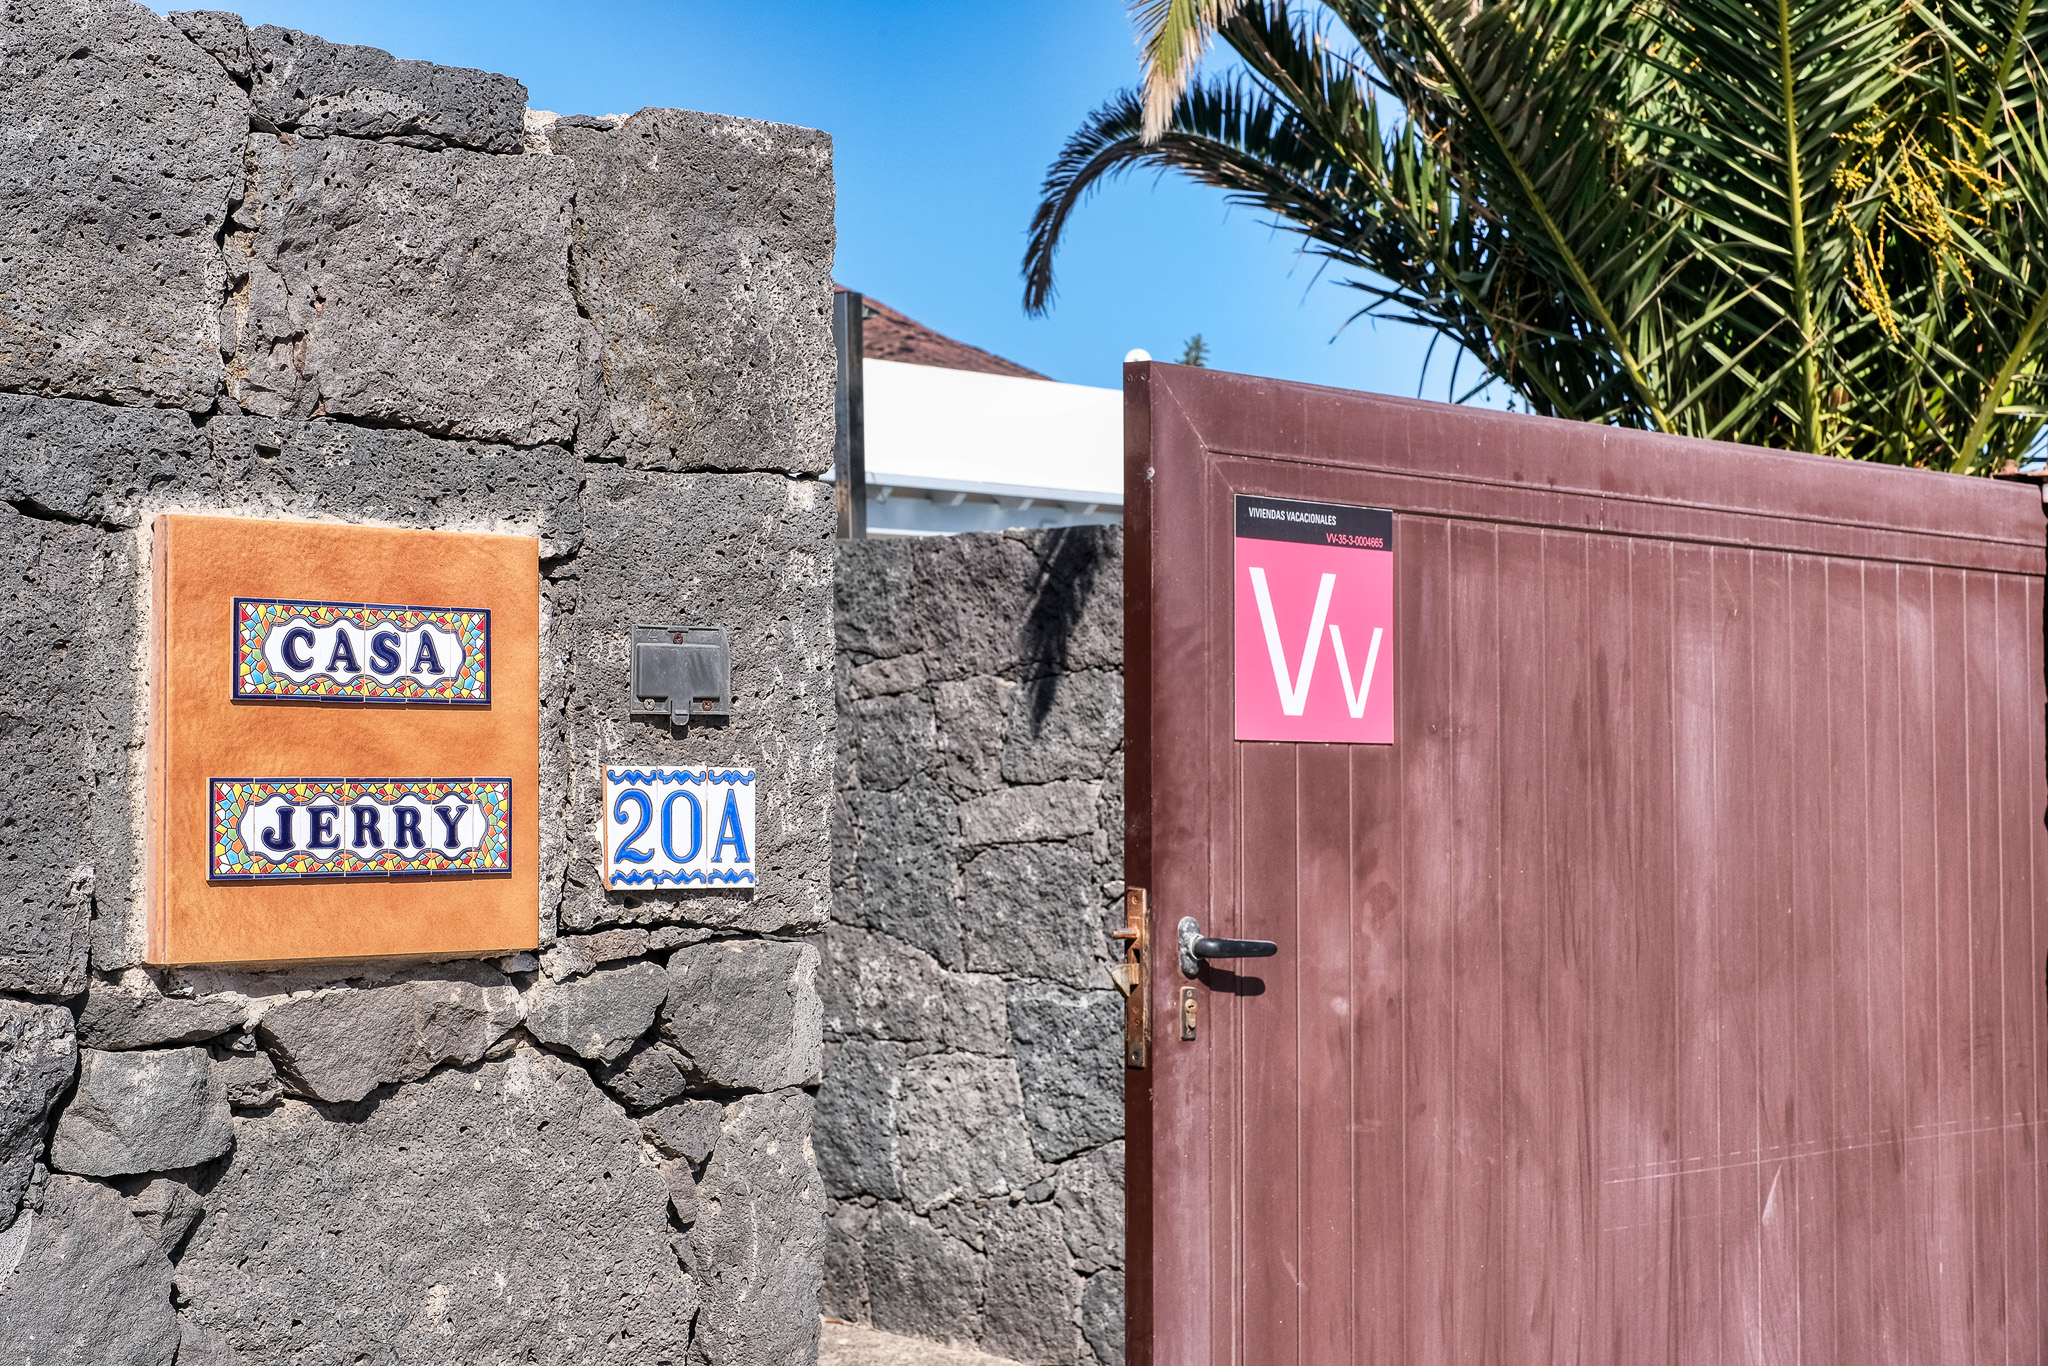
<point>223,36</point>
<point>445,308</point>
<point>645,1080</point>
<point>575,954</point>
<point>1011,815</point>
<point>601,1015</point>
<point>1069,1062</point>
<point>148,1111</point>
<point>502,1212</point>
<point>759,1237</point>
<point>1040,912</point>
<point>704,253</point>
<point>250,1078</point>
<point>961,1131</point>
<point>921,1281</point>
<point>1091,1202</point>
<point>166,1208</point>
<point>877,986</point>
<point>38,1058</point>
<point>301,83</point>
<point>199,1345</point>
<point>90,1287</point>
<point>688,1130</point>
<point>342,1045</point>
<point>745,1013</point>
<point>1102,1316</point>
<point>856,1139</point>
<point>125,149</point>
<point>1034,1301</point>
<point>65,700</point>
<point>115,1019</point>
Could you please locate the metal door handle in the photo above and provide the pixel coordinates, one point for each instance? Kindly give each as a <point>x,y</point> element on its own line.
<point>1194,947</point>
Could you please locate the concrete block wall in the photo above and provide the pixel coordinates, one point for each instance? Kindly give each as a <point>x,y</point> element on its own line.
<point>250,271</point>
<point>970,1129</point>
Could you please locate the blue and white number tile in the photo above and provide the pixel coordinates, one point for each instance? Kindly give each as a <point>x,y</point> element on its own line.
<point>678,827</point>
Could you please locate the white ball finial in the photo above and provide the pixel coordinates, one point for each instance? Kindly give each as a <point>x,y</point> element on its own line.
<point>1135,354</point>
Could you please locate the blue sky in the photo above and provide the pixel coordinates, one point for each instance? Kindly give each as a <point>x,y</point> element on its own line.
<point>944,118</point>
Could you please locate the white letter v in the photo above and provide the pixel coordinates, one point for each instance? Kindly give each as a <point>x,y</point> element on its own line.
<point>1295,698</point>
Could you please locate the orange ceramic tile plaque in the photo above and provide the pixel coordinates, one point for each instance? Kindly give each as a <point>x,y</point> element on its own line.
<point>344,742</point>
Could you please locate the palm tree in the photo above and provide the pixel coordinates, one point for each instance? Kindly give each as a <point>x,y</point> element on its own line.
<point>1812,224</point>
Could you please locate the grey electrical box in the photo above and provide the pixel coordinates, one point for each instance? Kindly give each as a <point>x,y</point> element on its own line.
<point>682,672</point>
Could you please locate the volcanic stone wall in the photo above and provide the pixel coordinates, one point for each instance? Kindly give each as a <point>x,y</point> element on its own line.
<point>249,271</point>
<point>970,1129</point>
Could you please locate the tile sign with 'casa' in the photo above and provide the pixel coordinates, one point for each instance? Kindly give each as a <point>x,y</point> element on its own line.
<point>678,827</point>
<point>288,819</point>
<point>361,652</point>
<point>1314,621</point>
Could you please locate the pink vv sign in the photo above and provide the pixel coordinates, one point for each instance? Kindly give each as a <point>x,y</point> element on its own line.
<point>1314,622</point>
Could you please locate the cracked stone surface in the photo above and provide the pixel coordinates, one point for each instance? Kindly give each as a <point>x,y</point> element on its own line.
<point>745,1015</point>
<point>506,1211</point>
<point>342,1045</point>
<point>38,1058</point>
<point>971,1117</point>
<point>444,308</point>
<point>148,1111</point>
<point>760,1234</point>
<point>89,1286</point>
<point>124,150</point>
<point>704,253</point>
<point>65,595</point>
<point>303,84</point>
<point>600,1015</point>
<point>114,1019</point>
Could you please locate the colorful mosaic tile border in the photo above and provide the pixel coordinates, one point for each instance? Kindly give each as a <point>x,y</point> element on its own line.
<point>358,827</point>
<point>679,827</point>
<point>361,652</point>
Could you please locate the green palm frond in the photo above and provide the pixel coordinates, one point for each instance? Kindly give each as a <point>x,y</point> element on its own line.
<point>1790,222</point>
<point>1173,35</point>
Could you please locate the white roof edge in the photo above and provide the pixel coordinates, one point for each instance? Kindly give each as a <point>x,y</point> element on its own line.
<point>877,479</point>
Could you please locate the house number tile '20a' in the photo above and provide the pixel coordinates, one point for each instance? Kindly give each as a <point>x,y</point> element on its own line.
<point>678,827</point>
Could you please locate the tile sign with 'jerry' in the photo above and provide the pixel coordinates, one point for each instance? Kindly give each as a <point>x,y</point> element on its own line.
<point>1314,622</point>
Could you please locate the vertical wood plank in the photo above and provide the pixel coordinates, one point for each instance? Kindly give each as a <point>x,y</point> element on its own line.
<point>1954,1048</point>
<point>1698,908</point>
<point>1518,1121</point>
<point>1836,956</point>
<point>2021,805</point>
<point>2036,917</point>
<point>1914,1294</point>
<point>1773,811</point>
<point>1266,1008</point>
<point>1734,945</point>
<point>1578,737</point>
<point>1432,623</point>
<point>1326,1027</point>
<point>1983,1147</point>
<point>1634,1105</point>
<point>1381,1233</point>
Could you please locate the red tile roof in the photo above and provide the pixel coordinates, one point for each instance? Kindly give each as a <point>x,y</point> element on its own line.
<point>888,335</point>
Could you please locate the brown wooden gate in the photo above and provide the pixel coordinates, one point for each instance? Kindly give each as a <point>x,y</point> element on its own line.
<point>1671,989</point>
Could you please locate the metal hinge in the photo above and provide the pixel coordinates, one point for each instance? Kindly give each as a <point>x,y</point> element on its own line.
<point>1130,976</point>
